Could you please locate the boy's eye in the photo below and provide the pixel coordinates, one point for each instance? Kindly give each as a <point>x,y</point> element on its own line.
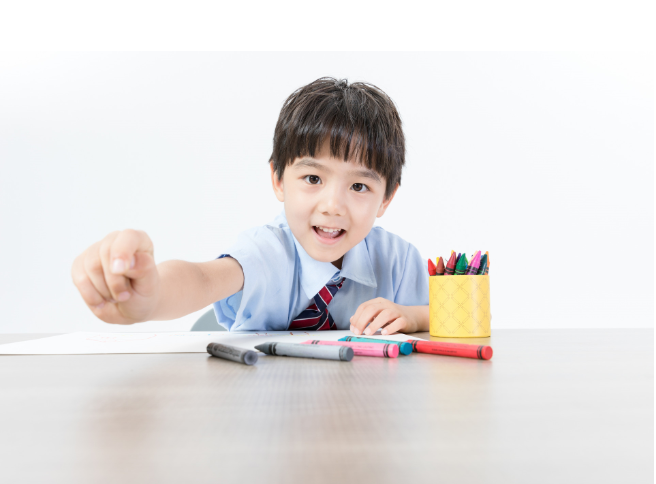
<point>312,179</point>
<point>359,187</point>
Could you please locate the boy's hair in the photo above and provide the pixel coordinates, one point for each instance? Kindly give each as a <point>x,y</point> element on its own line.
<point>360,120</point>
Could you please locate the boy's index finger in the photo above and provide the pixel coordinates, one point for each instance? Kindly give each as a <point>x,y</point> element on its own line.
<point>126,244</point>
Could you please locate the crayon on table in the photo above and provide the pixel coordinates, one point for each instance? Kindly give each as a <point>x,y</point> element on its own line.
<point>451,265</point>
<point>431,267</point>
<point>232,353</point>
<point>479,352</point>
<point>361,349</point>
<point>461,266</point>
<point>483,266</point>
<point>440,267</point>
<point>472,268</point>
<point>342,353</point>
<point>404,348</point>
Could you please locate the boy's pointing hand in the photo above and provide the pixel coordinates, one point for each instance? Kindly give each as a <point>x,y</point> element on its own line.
<point>117,277</point>
<point>382,313</point>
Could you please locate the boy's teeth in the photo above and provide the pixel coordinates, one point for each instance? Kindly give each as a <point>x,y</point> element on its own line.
<point>330,231</point>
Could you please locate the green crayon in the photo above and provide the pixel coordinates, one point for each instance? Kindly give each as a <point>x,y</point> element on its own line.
<point>461,266</point>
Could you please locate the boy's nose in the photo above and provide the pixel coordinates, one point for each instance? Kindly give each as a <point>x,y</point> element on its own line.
<point>331,203</point>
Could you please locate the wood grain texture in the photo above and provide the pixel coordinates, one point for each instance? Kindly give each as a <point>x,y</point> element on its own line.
<point>551,406</point>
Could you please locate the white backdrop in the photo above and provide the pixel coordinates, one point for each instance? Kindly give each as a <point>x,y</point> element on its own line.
<point>544,159</point>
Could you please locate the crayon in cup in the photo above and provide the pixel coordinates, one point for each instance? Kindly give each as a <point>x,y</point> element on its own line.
<point>461,266</point>
<point>451,265</point>
<point>472,268</point>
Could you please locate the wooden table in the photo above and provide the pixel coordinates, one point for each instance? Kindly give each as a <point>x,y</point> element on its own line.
<point>552,406</point>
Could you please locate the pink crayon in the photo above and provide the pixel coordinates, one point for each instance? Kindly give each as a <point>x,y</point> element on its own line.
<point>383,350</point>
<point>472,268</point>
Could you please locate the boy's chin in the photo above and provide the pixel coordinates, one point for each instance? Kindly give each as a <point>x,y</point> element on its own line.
<point>323,256</point>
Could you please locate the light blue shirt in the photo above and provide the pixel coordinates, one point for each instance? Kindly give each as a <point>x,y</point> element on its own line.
<point>281,279</point>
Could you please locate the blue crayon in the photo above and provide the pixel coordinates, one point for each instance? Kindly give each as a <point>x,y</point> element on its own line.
<point>404,348</point>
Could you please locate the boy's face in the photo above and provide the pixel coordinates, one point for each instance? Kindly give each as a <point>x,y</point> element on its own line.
<point>331,205</point>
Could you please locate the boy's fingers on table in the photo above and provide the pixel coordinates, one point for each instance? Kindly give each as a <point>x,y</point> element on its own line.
<point>381,319</point>
<point>395,326</point>
<point>364,315</point>
<point>362,307</point>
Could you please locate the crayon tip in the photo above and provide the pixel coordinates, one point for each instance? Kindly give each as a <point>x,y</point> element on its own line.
<point>264,348</point>
<point>440,267</point>
<point>431,267</point>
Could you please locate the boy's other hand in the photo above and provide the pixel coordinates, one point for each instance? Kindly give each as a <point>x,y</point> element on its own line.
<point>391,317</point>
<point>117,277</point>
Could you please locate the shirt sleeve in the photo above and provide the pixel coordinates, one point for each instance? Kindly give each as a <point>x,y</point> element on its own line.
<point>413,288</point>
<point>267,257</point>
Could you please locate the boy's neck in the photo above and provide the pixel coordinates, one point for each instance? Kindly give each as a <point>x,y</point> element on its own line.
<point>338,263</point>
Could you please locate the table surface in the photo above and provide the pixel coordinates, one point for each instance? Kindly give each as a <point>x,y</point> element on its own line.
<point>551,406</point>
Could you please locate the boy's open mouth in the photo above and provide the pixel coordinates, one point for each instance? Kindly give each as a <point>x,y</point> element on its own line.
<point>327,233</point>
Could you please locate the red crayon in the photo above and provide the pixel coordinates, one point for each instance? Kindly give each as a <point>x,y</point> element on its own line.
<point>451,265</point>
<point>431,268</point>
<point>383,350</point>
<point>452,349</point>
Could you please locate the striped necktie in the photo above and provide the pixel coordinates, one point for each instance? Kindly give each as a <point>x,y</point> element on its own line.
<point>316,316</point>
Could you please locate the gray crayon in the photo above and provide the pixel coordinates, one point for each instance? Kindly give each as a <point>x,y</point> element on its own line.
<point>232,353</point>
<point>343,353</point>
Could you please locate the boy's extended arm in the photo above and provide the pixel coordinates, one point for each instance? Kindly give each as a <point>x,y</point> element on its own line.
<point>120,283</point>
<point>186,287</point>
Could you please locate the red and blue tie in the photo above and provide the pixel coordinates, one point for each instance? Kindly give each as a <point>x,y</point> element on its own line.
<point>316,316</point>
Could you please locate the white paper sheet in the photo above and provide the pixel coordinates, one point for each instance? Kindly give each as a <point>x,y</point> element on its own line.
<point>182,342</point>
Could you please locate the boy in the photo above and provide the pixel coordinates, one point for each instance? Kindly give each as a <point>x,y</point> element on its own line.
<point>338,152</point>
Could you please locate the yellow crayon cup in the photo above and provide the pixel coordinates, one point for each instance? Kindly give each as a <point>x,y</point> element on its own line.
<point>459,306</point>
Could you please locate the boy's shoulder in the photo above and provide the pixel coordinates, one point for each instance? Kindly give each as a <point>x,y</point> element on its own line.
<point>390,253</point>
<point>382,241</point>
<point>273,241</point>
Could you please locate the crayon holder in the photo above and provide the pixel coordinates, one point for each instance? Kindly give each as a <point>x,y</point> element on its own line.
<point>459,306</point>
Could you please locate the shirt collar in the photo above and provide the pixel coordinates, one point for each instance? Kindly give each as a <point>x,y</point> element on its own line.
<point>356,266</point>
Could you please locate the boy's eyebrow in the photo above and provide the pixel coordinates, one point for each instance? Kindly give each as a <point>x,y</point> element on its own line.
<point>312,163</point>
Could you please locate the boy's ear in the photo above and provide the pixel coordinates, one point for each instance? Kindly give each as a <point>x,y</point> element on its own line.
<point>386,202</point>
<point>277,184</point>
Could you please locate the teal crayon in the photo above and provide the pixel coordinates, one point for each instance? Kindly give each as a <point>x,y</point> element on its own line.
<point>461,266</point>
<point>483,267</point>
<point>404,348</point>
